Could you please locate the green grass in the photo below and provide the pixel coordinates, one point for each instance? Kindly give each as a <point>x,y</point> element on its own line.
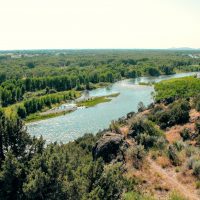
<point>148,83</point>
<point>176,196</point>
<point>136,196</point>
<point>37,116</point>
<point>94,101</point>
<point>97,100</point>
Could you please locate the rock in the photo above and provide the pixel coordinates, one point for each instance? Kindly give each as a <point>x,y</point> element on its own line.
<point>110,147</point>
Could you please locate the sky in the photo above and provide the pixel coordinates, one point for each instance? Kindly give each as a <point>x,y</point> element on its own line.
<point>93,24</point>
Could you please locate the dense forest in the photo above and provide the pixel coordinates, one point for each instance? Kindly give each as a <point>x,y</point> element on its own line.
<point>65,70</point>
<point>31,77</point>
<point>121,162</point>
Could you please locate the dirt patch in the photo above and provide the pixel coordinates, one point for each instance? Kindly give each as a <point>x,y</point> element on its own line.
<point>173,134</point>
<point>171,180</point>
<point>124,130</point>
<point>194,115</point>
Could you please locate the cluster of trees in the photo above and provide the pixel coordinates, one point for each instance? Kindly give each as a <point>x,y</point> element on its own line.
<point>63,70</point>
<point>12,91</point>
<point>58,62</point>
<point>177,88</point>
<point>145,132</point>
<point>176,113</point>
<point>37,104</point>
<point>29,170</point>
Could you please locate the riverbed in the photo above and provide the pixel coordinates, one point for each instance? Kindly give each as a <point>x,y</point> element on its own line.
<point>90,120</point>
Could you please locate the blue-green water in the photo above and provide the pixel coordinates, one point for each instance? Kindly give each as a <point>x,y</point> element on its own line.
<point>90,120</point>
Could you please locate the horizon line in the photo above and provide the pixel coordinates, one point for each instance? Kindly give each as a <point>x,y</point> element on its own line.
<point>37,49</point>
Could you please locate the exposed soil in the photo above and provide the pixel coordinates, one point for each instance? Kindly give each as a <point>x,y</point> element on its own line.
<point>170,178</point>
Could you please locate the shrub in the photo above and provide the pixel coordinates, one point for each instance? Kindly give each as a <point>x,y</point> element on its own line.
<point>177,113</point>
<point>185,134</point>
<point>146,140</point>
<point>196,103</point>
<point>196,168</point>
<point>197,127</point>
<point>190,150</point>
<point>198,106</point>
<point>140,126</point>
<point>198,185</point>
<point>115,127</point>
<point>179,145</point>
<point>161,143</point>
<point>173,156</point>
<point>191,162</point>
<point>141,106</point>
<point>137,154</point>
<point>21,111</point>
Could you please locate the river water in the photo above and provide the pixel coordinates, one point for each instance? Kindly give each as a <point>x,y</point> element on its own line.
<point>90,120</point>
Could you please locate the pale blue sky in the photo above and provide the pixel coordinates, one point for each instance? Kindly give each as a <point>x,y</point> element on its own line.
<point>35,24</point>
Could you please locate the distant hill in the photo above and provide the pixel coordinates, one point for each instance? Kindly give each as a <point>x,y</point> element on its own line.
<point>183,48</point>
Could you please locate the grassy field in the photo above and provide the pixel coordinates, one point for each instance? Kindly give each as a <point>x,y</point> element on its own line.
<point>97,100</point>
<point>37,116</point>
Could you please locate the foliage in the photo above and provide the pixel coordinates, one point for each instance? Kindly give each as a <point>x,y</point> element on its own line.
<point>185,134</point>
<point>60,70</point>
<point>176,113</point>
<point>196,168</point>
<point>173,156</point>
<point>137,155</point>
<point>141,107</point>
<point>177,88</point>
<point>29,170</point>
<point>176,196</point>
<point>136,196</point>
<point>94,101</point>
<point>145,132</point>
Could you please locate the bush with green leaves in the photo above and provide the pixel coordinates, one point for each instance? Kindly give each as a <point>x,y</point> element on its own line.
<point>196,168</point>
<point>141,107</point>
<point>179,145</point>
<point>137,154</point>
<point>161,143</point>
<point>176,113</point>
<point>145,132</point>
<point>196,102</point>
<point>173,155</point>
<point>197,127</point>
<point>185,134</point>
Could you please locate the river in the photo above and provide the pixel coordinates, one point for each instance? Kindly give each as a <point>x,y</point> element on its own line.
<point>90,120</point>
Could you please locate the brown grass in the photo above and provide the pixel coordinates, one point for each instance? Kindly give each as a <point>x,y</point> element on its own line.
<point>164,162</point>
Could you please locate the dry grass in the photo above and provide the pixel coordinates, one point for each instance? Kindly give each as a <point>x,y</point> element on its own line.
<point>173,134</point>
<point>163,161</point>
<point>124,130</point>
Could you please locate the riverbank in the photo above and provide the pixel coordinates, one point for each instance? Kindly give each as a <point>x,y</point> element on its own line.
<point>59,112</point>
<point>38,117</point>
<point>73,125</point>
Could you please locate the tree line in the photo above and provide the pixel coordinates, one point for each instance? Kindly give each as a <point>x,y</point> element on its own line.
<point>37,104</point>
